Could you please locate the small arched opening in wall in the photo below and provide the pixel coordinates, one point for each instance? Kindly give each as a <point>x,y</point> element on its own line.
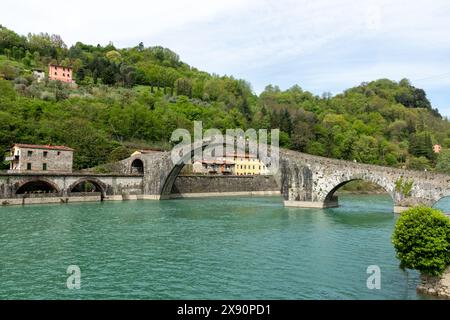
<point>137,166</point>
<point>443,204</point>
<point>87,187</point>
<point>358,192</point>
<point>37,186</point>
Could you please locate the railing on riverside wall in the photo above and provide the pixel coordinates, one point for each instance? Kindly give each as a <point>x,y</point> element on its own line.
<point>56,195</point>
<point>85,194</point>
<point>36,195</point>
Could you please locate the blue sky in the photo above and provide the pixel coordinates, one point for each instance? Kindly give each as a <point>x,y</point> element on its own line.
<point>322,45</point>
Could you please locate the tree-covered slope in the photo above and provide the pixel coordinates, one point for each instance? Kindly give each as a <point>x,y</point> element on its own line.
<point>135,97</point>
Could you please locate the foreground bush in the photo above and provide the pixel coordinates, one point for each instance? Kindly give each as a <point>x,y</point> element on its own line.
<point>422,240</point>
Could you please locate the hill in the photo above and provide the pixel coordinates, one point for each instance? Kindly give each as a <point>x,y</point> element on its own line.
<point>135,97</point>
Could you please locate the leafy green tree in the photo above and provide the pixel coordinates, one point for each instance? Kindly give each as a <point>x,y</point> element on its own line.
<point>119,153</point>
<point>422,240</point>
<point>421,145</point>
<point>183,86</point>
<point>443,161</point>
<point>420,163</point>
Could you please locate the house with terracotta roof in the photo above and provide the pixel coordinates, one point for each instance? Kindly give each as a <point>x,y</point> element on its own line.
<point>214,166</point>
<point>33,158</point>
<point>437,148</point>
<point>60,73</point>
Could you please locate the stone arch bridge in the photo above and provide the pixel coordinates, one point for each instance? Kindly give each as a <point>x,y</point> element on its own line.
<point>303,180</point>
<point>17,188</point>
<point>307,181</point>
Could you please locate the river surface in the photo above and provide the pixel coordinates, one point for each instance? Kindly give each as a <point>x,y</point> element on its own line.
<point>210,248</point>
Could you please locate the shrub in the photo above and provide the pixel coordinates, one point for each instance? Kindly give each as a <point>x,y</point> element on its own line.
<point>422,240</point>
<point>404,186</point>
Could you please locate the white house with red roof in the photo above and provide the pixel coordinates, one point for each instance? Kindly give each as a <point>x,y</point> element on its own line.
<point>34,158</point>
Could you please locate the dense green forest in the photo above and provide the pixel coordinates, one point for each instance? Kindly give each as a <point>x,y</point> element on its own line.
<point>135,97</point>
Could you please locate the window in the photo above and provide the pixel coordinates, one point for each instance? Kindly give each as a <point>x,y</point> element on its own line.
<point>64,74</point>
<point>29,153</point>
<point>44,167</point>
<point>58,153</point>
<point>28,166</point>
<point>45,154</point>
<point>56,73</point>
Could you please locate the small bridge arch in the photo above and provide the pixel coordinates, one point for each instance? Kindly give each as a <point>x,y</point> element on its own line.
<point>84,185</point>
<point>37,185</point>
<point>137,166</point>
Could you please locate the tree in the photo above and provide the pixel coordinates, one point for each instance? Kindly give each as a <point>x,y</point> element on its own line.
<point>114,56</point>
<point>183,86</point>
<point>286,122</point>
<point>119,153</point>
<point>420,163</point>
<point>443,161</point>
<point>422,240</point>
<point>421,145</point>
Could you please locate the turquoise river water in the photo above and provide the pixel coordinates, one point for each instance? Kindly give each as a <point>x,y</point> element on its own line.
<point>214,248</point>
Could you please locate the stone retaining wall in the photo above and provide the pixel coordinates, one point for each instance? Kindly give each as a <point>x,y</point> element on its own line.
<point>224,185</point>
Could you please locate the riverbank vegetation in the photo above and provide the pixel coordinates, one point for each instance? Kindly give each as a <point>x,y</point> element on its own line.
<point>361,187</point>
<point>135,97</point>
<point>422,240</point>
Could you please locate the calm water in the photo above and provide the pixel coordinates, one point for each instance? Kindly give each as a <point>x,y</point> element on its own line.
<point>217,248</point>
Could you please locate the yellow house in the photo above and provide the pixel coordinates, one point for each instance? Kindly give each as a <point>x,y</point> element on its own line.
<point>246,164</point>
<point>145,151</point>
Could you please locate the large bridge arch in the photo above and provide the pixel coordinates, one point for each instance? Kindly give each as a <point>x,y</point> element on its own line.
<point>177,167</point>
<point>331,200</point>
<point>36,184</point>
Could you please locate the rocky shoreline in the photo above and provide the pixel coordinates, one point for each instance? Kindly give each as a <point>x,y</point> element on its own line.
<point>435,286</point>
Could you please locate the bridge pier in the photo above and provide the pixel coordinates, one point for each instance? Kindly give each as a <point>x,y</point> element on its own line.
<point>400,209</point>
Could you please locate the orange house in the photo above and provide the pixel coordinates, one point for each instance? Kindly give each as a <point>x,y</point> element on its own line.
<point>60,73</point>
<point>437,148</point>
